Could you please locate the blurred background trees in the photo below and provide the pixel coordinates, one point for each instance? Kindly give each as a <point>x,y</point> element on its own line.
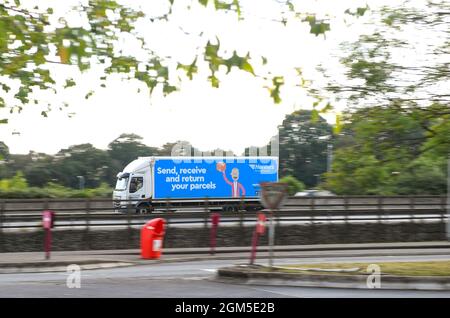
<point>380,150</point>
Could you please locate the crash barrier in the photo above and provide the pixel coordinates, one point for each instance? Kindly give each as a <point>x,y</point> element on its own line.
<point>87,213</point>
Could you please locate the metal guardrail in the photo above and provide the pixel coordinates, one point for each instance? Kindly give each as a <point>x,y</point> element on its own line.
<point>87,213</point>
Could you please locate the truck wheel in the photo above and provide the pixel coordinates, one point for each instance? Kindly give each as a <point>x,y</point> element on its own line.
<point>143,209</point>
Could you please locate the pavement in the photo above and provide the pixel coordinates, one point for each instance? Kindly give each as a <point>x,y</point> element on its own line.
<point>30,262</point>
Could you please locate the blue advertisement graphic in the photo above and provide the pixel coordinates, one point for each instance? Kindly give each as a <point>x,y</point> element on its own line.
<point>213,179</point>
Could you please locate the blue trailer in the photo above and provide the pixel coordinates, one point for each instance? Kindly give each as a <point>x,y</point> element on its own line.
<point>149,181</point>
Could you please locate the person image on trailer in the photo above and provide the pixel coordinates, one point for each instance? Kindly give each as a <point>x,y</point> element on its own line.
<point>237,189</point>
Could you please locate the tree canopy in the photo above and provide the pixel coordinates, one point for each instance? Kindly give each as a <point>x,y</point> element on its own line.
<point>38,40</point>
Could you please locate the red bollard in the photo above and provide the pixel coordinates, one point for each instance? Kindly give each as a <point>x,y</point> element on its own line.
<point>215,219</point>
<point>48,219</point>
<point>259,230</point>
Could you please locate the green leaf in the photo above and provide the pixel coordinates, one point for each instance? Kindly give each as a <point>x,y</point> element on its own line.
<point>203,2</point>
<point>317,27</point>
<point>3,121</point>
<point>214,81</point>
<point>221,5</point>
<point>277,82</point>
<point>69,83</point>
<point>240,62</point>
<point>361,11</point>
<point>6,88</point>
<point>89,94</point>
<point>326,109</point>
<point>338,126</point>
<point>189,69</point>
<point>238,7</point>
<point>314,116</point>
<point>167,89</point>
<point>22,94</point>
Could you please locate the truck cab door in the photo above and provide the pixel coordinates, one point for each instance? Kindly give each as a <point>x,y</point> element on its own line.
<point>136,189</point>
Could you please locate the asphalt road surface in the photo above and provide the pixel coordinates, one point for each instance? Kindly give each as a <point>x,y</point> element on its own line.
<point>190,279</point>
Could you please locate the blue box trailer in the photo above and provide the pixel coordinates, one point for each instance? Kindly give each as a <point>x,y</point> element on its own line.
<point>212,178</point>
<point>149,180</point>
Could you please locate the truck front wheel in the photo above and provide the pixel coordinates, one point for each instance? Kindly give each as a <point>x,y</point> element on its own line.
<point>143,208</point>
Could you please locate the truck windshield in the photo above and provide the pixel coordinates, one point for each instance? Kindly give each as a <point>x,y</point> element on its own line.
<point>121,184</point>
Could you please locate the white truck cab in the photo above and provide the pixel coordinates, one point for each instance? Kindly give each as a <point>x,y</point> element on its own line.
<point>134,183</point>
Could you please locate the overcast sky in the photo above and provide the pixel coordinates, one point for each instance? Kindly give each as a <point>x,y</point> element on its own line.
<point>238,114</point>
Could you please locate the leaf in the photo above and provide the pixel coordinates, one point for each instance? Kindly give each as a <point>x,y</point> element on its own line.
<point>338,126</point>
<point>221,5</point>
<point>3,121</point>
<point>63,54</point>
<point>314,116</point>
<point>238,7</point>
<point>361,11</point>
<point>89,94</point>
<point>69,83</point>
<point>203,2</point>
<point>317,27</point>
<point>326,109</point>
<point>167,89</point>
<point>214,81</point>
<point>6,88</point>
<point>189,69</point>
<point>275,90</point>
<point>240,62</point>
<point>246,66</point>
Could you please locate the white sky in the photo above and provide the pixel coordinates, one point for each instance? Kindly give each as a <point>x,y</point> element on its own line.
<point>238,114</point>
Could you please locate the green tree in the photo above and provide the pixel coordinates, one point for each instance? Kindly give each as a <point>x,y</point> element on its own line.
<point>4,151</point>
<point>387,151</point>
<point>303,139</point>
<point>294,185</point>
<point>389,65</point>
<point>128,147</point>
<point>17,182</point>
<point>81,160</point>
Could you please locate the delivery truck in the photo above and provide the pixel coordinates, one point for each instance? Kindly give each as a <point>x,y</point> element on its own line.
<point>226,183</point>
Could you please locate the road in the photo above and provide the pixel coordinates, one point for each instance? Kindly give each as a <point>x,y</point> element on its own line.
<point>193,280</point>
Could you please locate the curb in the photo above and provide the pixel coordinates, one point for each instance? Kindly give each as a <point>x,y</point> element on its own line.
<point>45,267</point>
<point>253,276</point>
<point>58,266</point>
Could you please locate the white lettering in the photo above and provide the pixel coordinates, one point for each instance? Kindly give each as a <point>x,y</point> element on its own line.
<point>74,278</point>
